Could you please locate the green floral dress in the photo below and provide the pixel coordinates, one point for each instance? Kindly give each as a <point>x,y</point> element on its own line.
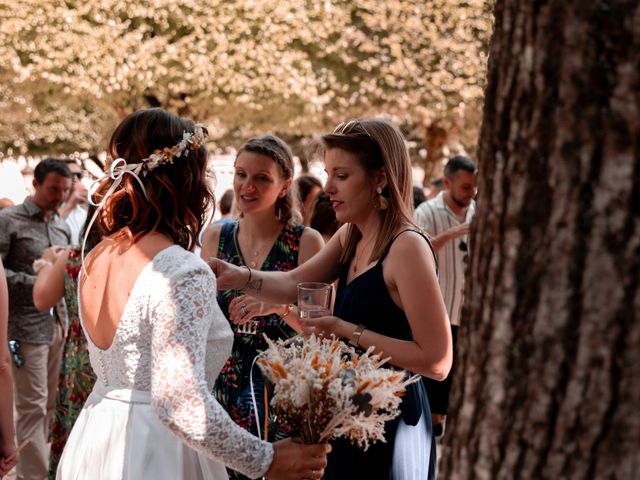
<point>233,386</point>
<point>76,375</point>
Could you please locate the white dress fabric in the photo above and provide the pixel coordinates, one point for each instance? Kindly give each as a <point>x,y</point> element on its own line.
<point>151,414</point>
<point>414,457</point>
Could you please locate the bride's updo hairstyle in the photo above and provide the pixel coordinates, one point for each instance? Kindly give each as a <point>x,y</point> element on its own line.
<point>177,193</point>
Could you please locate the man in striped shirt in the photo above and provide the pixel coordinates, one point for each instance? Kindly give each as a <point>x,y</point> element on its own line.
<point>446,219</point>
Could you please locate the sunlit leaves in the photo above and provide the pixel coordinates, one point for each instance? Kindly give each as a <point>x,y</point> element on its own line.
<point>69,70</point>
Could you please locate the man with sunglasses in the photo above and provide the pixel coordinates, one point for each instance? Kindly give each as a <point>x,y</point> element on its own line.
<point>446,218</point>
<point>26,231</point>
<point>74,209</point>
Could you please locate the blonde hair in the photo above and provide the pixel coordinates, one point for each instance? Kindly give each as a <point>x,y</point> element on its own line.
<point>378,143</point>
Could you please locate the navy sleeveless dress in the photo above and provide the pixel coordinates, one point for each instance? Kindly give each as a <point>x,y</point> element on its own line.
<point>367,301</point>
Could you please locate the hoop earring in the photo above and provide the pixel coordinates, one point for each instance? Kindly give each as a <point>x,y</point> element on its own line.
<point>383,203</point>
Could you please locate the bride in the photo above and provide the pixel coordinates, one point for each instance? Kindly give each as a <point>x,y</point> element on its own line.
<point>157,338</point>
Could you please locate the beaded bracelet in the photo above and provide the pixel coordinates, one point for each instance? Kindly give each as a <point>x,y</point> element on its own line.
<point>39,264</point>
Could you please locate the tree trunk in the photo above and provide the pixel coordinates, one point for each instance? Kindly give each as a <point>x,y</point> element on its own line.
<point>547,384</point>
<point>435,139</point>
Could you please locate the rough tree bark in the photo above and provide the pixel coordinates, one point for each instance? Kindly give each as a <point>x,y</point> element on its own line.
<point>548,365</point>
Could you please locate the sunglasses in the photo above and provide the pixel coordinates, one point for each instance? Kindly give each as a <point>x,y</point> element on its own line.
<point>14,349</point>
<point>351,127</point>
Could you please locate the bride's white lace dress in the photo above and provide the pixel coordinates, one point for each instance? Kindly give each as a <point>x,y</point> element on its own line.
<point>151,414</point>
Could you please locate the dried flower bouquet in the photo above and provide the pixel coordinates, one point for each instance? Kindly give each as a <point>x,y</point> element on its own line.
<point>326,389</point>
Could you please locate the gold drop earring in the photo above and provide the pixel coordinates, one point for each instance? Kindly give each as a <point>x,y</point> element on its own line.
<point>383,202</point>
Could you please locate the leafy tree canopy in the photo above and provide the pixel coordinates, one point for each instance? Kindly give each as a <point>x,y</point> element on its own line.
<point>69,70</point>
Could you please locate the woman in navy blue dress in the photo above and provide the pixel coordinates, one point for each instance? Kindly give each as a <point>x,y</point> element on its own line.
<point>387,297</point>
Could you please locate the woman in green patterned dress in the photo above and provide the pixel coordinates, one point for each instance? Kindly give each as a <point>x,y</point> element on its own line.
<point>56,280</point>
<point>268,236</point>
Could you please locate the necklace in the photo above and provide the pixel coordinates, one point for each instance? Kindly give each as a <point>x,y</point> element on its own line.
<point>253,263</point>
<point>357,255</point>
<point>255,253</point>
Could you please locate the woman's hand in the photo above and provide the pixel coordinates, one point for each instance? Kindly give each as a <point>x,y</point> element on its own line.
<point>228,276</point>
<point>325,326</point>
<point>293,460</point>
<point>52,253</point>
<point>7,451</point>
<point>245,307</point>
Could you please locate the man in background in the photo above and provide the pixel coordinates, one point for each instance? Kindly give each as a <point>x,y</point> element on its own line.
<point>446,219</point>
<point>225,204</point>
<point>26,230</point>
<point>74,208</point>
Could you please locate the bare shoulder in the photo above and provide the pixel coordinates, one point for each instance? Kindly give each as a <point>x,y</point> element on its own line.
<point>311,237</point>
<point>213,230</point>
<point>409,246</point>
<point>311,242</point>
<point>341,234</point>
<point>210,240</point>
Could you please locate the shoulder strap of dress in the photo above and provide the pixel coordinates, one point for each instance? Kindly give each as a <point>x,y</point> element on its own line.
<point>419,232</point>
<point>227,232</point>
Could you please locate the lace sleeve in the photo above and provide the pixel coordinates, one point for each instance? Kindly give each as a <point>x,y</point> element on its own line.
<point>181,319</point>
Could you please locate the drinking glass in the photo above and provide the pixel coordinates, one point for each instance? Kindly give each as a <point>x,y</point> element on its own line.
<point>314,299</point>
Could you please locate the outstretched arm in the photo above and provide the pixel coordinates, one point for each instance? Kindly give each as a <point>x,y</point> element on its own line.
<point>281,287</point>
<point>245,307</point>
<point>452,233</point>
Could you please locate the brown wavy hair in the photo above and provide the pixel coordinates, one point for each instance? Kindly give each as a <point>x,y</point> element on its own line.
<point>178,194</point>
<point>286,208</point>
<point>378,143</point>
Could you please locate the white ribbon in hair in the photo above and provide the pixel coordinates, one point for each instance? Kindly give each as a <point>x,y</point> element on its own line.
<point>117,170</point>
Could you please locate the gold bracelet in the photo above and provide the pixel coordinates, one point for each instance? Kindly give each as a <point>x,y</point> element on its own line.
<point>287,309</point>
<point>355,336</point>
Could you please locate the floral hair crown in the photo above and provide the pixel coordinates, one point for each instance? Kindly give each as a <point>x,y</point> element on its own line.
<point>118,168</point>
<point>190,141</point>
